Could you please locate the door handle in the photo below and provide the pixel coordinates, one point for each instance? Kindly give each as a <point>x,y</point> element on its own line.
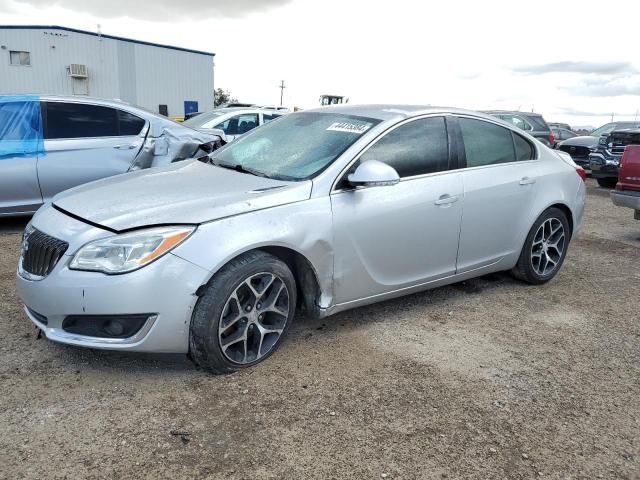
<point>125,146</point>
<point>446,199</point>
<point>527,181</point>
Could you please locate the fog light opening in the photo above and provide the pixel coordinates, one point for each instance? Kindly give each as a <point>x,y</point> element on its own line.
<point>114,328</point>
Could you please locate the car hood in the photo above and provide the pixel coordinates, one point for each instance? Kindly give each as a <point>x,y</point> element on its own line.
<point>582,141</point>
<point>188,192</point>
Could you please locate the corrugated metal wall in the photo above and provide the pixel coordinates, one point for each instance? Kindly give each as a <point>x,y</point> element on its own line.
<point>142,74</point>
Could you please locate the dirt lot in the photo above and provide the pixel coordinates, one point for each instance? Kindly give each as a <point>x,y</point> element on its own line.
<point>486,379</point>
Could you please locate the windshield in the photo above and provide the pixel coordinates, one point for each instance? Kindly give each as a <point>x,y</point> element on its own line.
<point>204,120</point>
<point>294,147</point>
<point>610,127</point>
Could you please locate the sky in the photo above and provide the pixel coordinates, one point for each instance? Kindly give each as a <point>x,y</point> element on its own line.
<point>566,59</point>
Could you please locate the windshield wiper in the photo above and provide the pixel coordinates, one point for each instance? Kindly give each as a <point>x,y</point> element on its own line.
<point>239,168</point>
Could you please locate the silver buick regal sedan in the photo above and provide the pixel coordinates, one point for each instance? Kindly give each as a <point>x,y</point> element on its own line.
<point>321,210</point>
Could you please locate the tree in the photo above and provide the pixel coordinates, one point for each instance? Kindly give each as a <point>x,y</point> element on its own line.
<point>222,97</point>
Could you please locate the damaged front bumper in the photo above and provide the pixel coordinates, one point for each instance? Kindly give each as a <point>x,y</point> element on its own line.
<point>148,310</point>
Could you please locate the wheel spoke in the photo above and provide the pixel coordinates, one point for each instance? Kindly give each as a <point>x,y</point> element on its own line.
<point>271,304</point>
<point>231,313</point>
<point>239,336</point>
<point>259,291</point>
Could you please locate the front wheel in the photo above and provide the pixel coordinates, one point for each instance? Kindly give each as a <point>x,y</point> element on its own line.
<point>544,249</point>
<point>607,182</point>
<point>243,314</point>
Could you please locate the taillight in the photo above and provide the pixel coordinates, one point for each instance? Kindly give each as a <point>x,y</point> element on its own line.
<point>552,138</point>
<point>583,175</point>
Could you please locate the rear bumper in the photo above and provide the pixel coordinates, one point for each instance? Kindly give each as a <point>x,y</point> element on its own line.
<point>625,198</point>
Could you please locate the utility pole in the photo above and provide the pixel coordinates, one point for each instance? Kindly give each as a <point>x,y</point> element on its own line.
<point>282,87</point>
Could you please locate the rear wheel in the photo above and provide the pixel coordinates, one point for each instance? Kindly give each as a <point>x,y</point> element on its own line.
<point>545,248</point>
<point>607,182</point>
<point>243,314</point>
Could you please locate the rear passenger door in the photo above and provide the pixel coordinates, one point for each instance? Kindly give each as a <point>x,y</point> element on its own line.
<point>86,142</point>
<point>499,175</point>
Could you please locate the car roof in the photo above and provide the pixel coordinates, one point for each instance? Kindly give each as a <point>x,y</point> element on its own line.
<point>393,111</point>
<point>512,112</point>
<point>86,100</point>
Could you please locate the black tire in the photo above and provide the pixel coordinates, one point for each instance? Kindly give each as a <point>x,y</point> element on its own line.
<point>608,182</point>
<point>204,340</point>
<point>525,269</point>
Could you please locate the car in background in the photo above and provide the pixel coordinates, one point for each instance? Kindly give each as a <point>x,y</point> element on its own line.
<point>52,143</point>
<point>562,134</point>
<point>325,209</point>
<point>532,123</point>
<point>605,158</point>
<point>233,121</point>
<point>627,192</point>
<point>581,146</point>
<point>565,126</point>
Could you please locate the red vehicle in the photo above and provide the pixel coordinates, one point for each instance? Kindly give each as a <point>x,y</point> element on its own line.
<point>627,192</point>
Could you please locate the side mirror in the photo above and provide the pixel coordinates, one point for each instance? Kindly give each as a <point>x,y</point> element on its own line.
<point>373,173</point>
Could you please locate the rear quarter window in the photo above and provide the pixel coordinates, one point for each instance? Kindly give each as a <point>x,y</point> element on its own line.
<point>537,122</point>
<point>524,149</point>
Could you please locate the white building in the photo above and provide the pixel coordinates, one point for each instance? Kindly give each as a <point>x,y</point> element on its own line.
<point>65,61</point>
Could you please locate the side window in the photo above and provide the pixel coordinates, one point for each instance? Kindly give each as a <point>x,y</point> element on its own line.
<point>518,122</point>
<point>524,150</point>
<point>129,123</point>
<point>20,129</point>
<point>239,124</point>
<point>486,143</point>
<point>77,120</point>
<point>267,117</point>
<point>415,148</point>
<point>19,120</point>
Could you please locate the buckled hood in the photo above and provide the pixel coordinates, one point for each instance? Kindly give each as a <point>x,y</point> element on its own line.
<point>188,192</point>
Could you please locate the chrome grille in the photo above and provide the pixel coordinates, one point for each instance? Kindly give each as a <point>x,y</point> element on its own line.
<point>41,252</point>
<point>618,148</point>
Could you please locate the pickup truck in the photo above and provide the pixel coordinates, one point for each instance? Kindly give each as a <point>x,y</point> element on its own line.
<point>627,192</point>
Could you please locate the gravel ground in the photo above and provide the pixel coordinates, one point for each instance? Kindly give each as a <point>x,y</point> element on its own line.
<point>489,378</point>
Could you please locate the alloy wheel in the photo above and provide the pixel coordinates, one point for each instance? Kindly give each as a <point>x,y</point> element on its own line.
<point>254,318</point>
<point>548,246</point>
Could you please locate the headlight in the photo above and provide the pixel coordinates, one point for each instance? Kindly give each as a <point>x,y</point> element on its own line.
<point>129,251</point>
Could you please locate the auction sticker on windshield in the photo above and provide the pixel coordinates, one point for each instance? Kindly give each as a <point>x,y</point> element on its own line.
<point>349,127</point>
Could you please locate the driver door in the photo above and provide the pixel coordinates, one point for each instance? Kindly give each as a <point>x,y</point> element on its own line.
<point>392,237</point>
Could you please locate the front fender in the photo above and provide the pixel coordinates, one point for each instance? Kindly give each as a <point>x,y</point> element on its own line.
<point>304,227</point>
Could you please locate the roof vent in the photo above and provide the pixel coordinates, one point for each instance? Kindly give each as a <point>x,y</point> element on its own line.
<point>78,71</point>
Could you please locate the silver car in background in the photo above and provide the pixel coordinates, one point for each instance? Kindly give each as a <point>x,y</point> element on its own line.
<point>51,143</point>
<point>233,121</point>
<point>324,210</point>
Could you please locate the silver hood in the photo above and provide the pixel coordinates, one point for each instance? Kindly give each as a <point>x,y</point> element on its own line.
<point>188,192</point>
